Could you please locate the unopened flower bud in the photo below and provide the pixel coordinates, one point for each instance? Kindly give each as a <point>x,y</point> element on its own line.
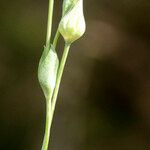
<point>72,25</point>
<point>67,5</point>
<point>47,70</point>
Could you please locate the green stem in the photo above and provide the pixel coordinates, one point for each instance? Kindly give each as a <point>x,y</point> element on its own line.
<point>50,104</point>
<point>59,75</point>
<point>49,22</point>
<point>56,38</point>
<point>47,125</point>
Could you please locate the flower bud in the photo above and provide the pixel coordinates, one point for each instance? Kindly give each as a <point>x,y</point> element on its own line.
<point>67,5</point>
<point>47,71</point>
<point>72,24</point>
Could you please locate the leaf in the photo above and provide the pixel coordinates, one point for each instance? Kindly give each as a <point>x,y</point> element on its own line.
<point>47,71</point>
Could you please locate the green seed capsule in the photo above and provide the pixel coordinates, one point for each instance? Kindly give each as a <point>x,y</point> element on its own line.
<point>72,25</point>
<point>47,71</point>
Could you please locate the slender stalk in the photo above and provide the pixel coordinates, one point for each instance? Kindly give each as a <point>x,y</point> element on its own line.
<point>47,125</point>
<point>59,75</point>
<point>56,38</point>
<point>49,22</point>
<point>48,102</point>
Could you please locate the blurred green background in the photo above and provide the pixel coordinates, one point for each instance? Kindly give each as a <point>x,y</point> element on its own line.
<point>104,99</point>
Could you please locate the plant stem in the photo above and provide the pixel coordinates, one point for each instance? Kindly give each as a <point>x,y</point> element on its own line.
<point>59,75</point>
<point>56,38</point>
<point>47,125</point>
<point>50,104</point>
<point>49,22</point>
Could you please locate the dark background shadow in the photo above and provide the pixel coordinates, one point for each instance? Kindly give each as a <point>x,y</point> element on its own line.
<point>104,96</point>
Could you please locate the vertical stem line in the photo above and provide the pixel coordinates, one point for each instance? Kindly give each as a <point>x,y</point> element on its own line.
<point>49,22</point>
<point>50,103</point>
<point>59,75</point>
<point>56,38</point>
<point>47,125</point>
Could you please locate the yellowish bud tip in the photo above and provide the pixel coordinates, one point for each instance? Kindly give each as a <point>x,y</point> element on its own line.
<point>72,25</point>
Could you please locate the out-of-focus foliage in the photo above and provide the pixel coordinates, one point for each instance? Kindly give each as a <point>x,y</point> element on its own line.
<point>105,91</point>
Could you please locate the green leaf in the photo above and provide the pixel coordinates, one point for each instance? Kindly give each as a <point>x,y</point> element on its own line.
<point>47,71</point>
